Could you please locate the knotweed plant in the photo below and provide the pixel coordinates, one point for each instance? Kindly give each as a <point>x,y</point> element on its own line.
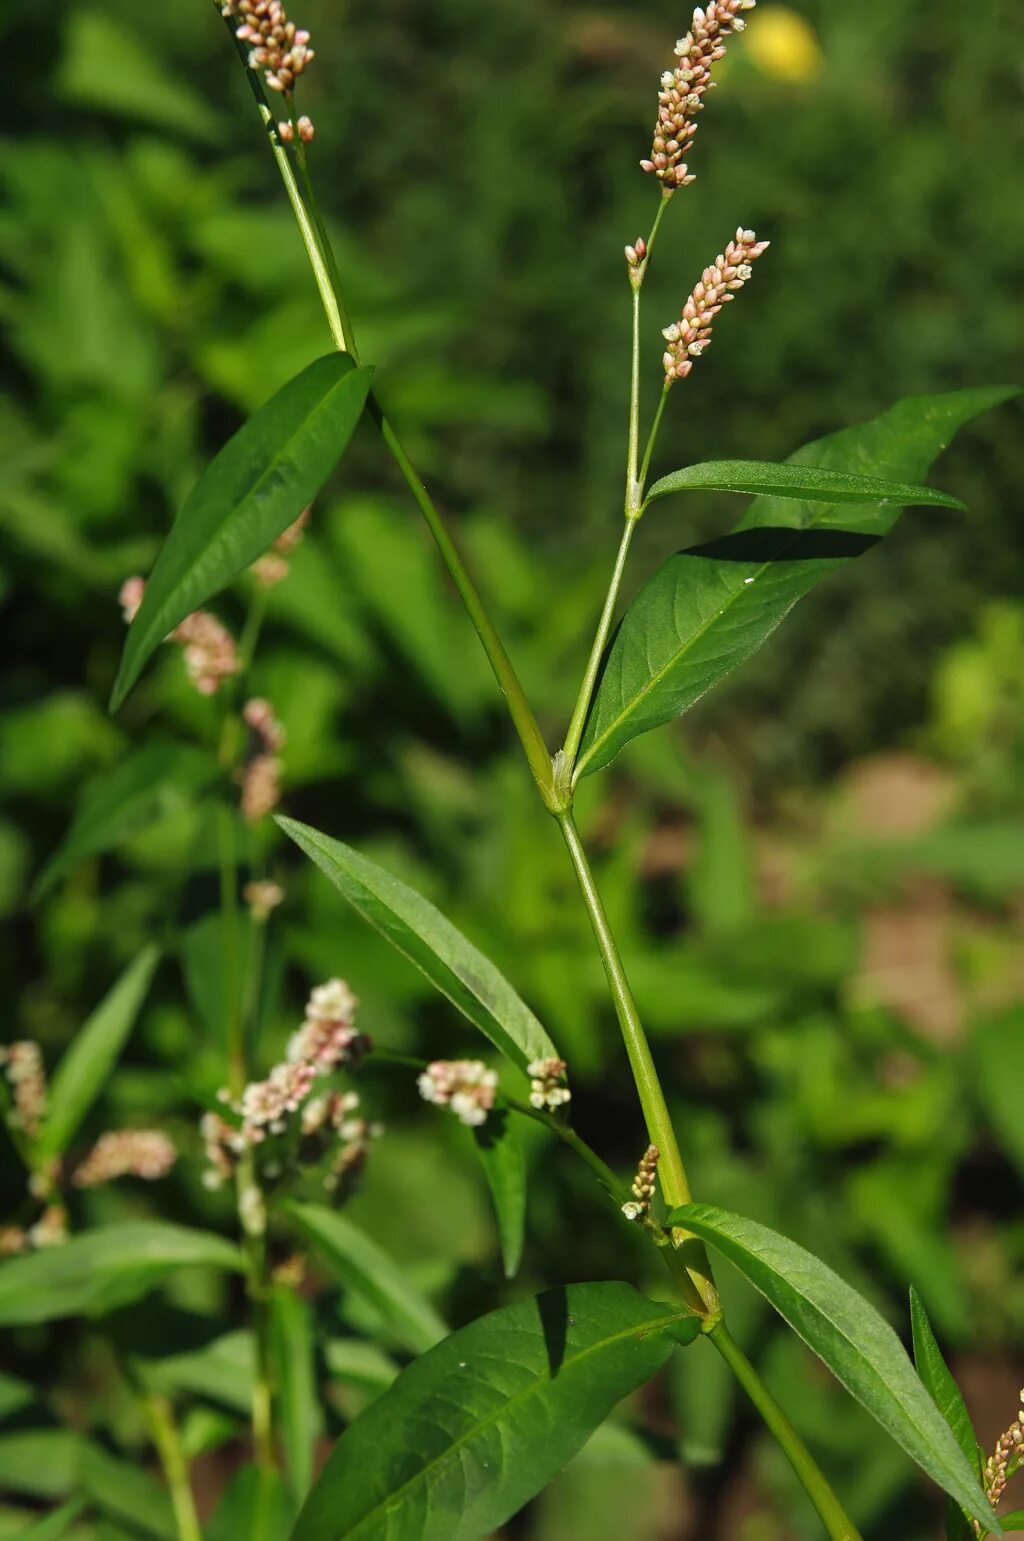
<point>484,1416</point>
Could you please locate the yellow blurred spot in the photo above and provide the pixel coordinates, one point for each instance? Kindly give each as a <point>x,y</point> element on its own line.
<point>783,45</point>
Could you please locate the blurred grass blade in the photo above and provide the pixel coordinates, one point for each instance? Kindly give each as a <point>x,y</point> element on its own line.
<point>423,935</point>
<point>806,483</point>
<point>946,1395</point>
<point>99,1270</point>
<point>294,1349</point>
<point>53,1526</point>
<point>363,1267</point>
<point>501,1152</point>
<point>472,1430</point>
<point>255,1507</point>
<point>125,801</point>
<point>849,1335</point>
<point>709,608</point>
<point>93,1053</point>
<point>255,488</point>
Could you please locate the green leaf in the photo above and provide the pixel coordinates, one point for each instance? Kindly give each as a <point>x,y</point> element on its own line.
<point>423,935</point>
<point>160,779</point>
<point>99,1270</point>
<point>255,488</point>
<point>857,1344</point>
<point>505,1169</point>
<point>1012,1521</point>
<point>470,1432</point>
<point>806,483</point>
<point>52,1526</point>
<point>92,1055</point>
<point>221,1370</point>
<point>126,1492</point>
<point>293,1348</point>
<point>358,1263</point>
<point>997,1056</point>
<point>944,1391</point>
<point>709,608</point>
<point>255,1507</point>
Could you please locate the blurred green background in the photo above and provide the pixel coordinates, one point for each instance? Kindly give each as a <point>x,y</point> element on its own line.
<point>818,878</point>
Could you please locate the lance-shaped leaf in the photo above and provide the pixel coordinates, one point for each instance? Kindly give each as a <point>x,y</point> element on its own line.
<point>100,1270</point>
<point>501,1152</point>
<point>946,1395</point>
<point>53,1526</point>
<point>471,1431</point>
<point>158,780</point>
<point>709,608</point>
<point>93,1053</point>
<point>358,1263</point>
<point>294,1355</point>
<point>857,1344</point>
<point>804,483</point>
<point>255,488</point>
<point>420,932</point>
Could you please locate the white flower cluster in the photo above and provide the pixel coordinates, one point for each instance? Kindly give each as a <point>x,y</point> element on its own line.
<point>145,1153</point>
<point>548,1090</point>
<point>464,1085</point>
<point>22,1064</point>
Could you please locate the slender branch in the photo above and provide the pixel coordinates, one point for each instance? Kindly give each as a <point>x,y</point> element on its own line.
<point>160,1417</point>
<point>573,737</point>
<point>651,441</point>
<point>837,1523</point>
<point>632,502</point>
<point>671,1171</point>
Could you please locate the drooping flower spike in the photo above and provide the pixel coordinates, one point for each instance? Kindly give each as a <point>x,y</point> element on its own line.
<point>684,87</point>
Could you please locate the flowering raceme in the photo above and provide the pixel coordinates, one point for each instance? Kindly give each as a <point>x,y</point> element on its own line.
<point>684,87</point>
<point>464,1085</point>
<point>688,337</point>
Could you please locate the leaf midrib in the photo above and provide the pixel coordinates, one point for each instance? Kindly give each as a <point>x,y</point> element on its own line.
<point>493,1417</point>
<point>656,679</point>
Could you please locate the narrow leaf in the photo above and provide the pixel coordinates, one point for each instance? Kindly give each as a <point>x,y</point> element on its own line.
<point>221,1370</point>
<point>709,608</point>
<point>358,1263</point>
<point>293,1348</point>
<point>125,801</point>
<point>255,1507</point>
<point>423,935</point>
<point>471,1431</point>
<point>1012,1521</point>
<point>52,1526</point>
<point>255,488</point>
<point>938,1381</point>
<point>501,1152</point>
<point>92,1055</point>
<point>99,1270</point>
<point>806,483</point>
<point>857,1344</point>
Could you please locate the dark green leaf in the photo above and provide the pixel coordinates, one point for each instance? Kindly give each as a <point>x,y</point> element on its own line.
<point>1012,1521</point>
<point>99,1270</point>
<point>423,935</point>
<point>804,483</point>
<point>945,1392</point>
<point>159,780</point>
<point>708,609</point>
<point>255,1507</point>
<point>470,1432</point>
<point>293,1348</point>
<point>505,1169</point>
<point>93,1053</point>
<point>52,1526</point>
<point>255,488</point>
<point>845,1331</point>
<point>15,1395</point>
<point>358,1263</point>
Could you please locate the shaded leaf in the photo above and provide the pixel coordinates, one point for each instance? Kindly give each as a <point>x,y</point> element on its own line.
<point>98,1270</point>
<point>997,1053</point>
<point>360,1363</point>
<point>423,935</point>
<point>845,1331</point>
<point>358,1263</point>
<point>804,483</point>
<point>946,1395</point>
<point>501,1152</point>
<point>158,780</point>
<point>472,1430</point>
<point>93,1053</point>
<point>709,608</point>
<point>255,1507</point>
<point>52,1526</point>
<point>251,492</point>
<point>221,1370</point>
<point>293,1347</point>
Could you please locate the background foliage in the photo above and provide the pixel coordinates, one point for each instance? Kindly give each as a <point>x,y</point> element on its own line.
<point>816,880</point>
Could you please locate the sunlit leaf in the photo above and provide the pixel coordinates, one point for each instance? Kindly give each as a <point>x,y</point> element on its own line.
<point>709,608</point>
<point>419,931</point>
<point>98,1270</point>
<point>806,483</point>
<point>150,784</point>
<point>501,1152</point>
<point>255,488</point>
<point>93,1053</point>
<point>857,1344</point>
<point>472,1430</point>
<point>358,1263</point>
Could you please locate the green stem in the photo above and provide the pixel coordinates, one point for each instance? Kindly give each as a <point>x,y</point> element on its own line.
<point>633,491</point>
<point>252,1214</point>
<point>233,1029</point>
<point>671,1171</point>
<point>574,736</point>
<point>160,1416</point>
<point>837,1523</point>
<point>651,441</point>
